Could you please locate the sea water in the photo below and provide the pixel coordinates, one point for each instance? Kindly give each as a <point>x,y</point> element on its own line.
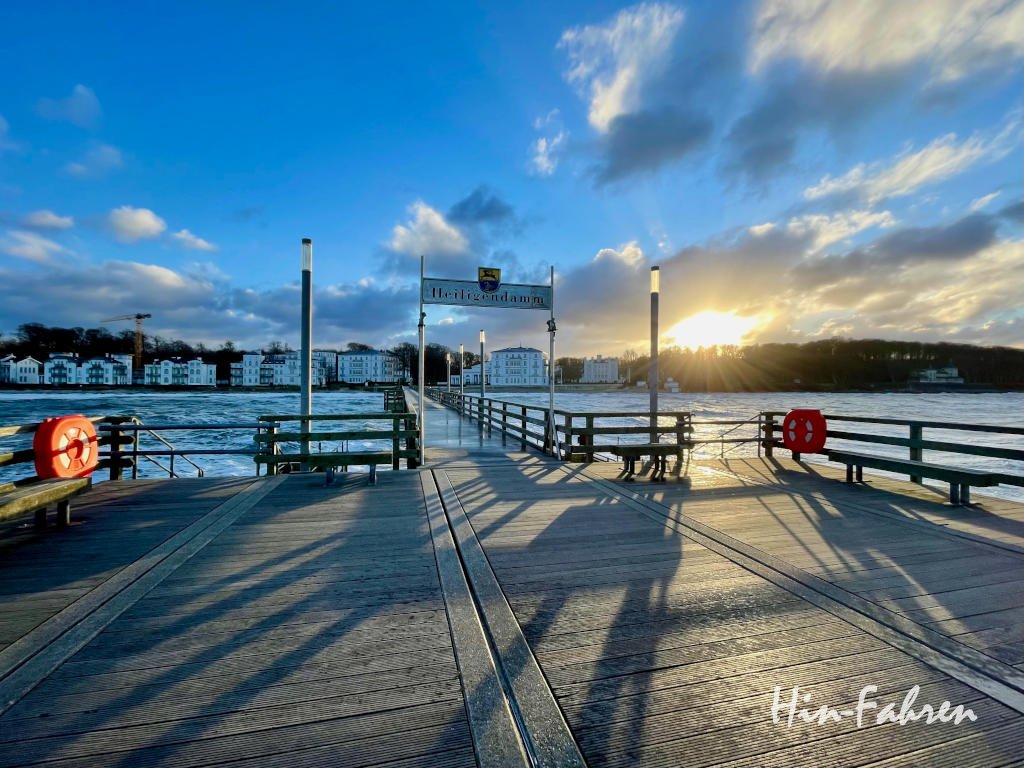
<point>220,407</point>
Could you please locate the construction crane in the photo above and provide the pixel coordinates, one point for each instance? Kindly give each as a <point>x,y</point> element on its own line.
<point>138,317</point>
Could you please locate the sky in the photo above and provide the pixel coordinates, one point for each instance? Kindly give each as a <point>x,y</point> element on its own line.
<point>799,169</point>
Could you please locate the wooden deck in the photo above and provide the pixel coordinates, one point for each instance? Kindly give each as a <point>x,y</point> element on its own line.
<point>499,608</point>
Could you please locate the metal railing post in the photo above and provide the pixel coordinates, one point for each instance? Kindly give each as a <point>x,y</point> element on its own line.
<point>915,450</point>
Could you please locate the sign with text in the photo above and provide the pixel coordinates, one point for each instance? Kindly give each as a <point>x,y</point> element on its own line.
<point>466,293</point>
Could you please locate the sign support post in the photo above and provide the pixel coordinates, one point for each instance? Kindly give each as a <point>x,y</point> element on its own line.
<point>422,366</point>
<point>551,370</point>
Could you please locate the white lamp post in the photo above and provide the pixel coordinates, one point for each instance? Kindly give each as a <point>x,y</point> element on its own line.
<point>652,376</point>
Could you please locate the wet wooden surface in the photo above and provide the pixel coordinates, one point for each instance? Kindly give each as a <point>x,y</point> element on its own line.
<point>284,622</point>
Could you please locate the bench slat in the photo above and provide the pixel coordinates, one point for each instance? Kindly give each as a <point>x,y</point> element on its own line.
<point>917,468</point>
<point>28,498</point>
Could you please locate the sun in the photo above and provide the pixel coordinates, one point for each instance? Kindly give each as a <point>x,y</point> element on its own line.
<point>710,328</point>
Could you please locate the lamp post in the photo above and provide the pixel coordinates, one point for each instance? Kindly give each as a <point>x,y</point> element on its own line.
<point>462,372</point>
<point>483,372</point>
<point>448,360</point>
<point>652,375</point>
<point>306,333</point>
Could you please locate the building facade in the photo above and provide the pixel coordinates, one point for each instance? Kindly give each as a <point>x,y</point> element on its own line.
<point>181,373</point>
<point>600,370</point>
<point>373,365</point>
<point>109,370</point>
<point>517,367</point>
<point>27,371</point>
<point>61,370</point>
<point>325,361</point>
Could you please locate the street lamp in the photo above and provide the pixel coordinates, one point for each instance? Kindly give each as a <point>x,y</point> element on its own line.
<point>448,359</point>
<point>462,372</point>
<point>306,334</point>
<point>652,374</point>
<point>483,372</point>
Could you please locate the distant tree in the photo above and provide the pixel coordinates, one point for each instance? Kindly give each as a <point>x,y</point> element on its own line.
<point>358,346</point>
<point>572,369</point>
<point>629,358</point>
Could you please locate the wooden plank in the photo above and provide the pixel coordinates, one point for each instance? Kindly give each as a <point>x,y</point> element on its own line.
<point>496,737</point>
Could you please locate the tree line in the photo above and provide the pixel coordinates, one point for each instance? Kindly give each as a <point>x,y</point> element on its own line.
<point>826,364</point>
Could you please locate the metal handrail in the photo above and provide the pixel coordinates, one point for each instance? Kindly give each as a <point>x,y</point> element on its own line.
<point>134,426</point>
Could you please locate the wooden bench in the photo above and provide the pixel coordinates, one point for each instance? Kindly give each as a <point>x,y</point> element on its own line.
<point>659,453</point>
<point>960,480</point>
<point>38,495</point>
<point>330,461</point>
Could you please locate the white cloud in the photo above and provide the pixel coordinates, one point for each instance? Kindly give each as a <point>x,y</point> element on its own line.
<point>133,224</point>
<point>81,108</point>
<point>30,246</point>
<point>941,159</point>
<point>612,62</point>
<point>6,144</point>
<point>96,162</point>
<point>981,202</point>
<point>759,230</point>
<point>190,241</point>
<point>823,230</point>
<point>953,37</point>
<point>427,233</point>
<point>630,254</point>
<point>546,154</point>
<point>48,220</point>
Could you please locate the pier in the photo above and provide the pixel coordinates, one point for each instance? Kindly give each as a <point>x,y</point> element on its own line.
<point>501,607</point>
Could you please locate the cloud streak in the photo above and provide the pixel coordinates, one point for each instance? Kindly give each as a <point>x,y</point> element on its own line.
<point>80,108</point>
<point>130,225</point>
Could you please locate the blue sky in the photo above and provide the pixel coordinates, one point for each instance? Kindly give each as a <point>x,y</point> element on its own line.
<point>798,169</point>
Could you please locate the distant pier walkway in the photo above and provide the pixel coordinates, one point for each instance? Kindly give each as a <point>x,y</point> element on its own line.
<point>501,608</point>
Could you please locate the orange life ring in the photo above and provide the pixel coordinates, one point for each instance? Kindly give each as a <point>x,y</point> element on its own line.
<point>66,446</point>
<point>804,430</point>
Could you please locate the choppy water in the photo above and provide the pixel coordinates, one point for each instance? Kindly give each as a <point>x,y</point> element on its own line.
<point>1003,409</point>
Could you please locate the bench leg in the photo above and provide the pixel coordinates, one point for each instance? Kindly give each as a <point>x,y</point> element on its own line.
<point>40,518</point>
<point>860,474</point>
<point>630,470</point>
<point>954,493</point>
<point>965,494</point>
<point>64,513</point>
<point>373,474</point>
<point>849,473</point>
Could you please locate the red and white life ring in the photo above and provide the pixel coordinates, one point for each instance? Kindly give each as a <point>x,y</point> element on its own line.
<point>65,446</point>
<point>804,430</point>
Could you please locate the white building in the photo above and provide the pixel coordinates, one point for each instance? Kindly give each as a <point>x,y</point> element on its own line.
<point>110,370</point>
<point>372,365</point>
<point>947,375</point>
<point>277,369</point>
<point>181,373</point>
<point>472,376</point>
<point>27,371</point>
<point>7,363</point>
<point>517,366</point>
<point>246,372</point>
<point>61,370</point>
<point>511,367</point>
<point>326,362</point>
<point>600,370</point>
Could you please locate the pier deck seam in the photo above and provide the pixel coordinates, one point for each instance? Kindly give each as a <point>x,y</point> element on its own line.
<point>28,661</point>
<point>496,739</point>
<point>1000,681</point>
<point>550,740</point>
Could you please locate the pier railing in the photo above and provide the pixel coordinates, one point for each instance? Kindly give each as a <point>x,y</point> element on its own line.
<point>580,436</point>
<point>915,440</point>
<point>125,433</point>
<point>276,448</point>
<point>12,455</point>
